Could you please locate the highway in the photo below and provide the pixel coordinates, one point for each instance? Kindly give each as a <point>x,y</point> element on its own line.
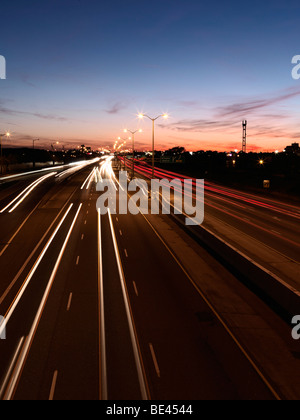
<point>112,307</point>
<point>259,220</point>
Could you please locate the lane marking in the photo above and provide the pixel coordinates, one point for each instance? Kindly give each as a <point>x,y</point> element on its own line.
<point>77,261</point>
<point>53,386</point>
<point>157,370</point>
<point>69,301</point>
<point>135,288</point>
<point>125,251</point>
<point>275,231</point>
<point>82,236</point>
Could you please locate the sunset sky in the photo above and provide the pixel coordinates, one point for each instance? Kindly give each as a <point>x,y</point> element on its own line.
<point>78,71</point>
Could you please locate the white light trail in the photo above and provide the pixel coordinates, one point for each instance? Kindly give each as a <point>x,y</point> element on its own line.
<point>30,337</point>
<point>91,178</point>
<point>25,193</point>
<point>35,267</point>
<point>134,340</point>
<point>87,179</point>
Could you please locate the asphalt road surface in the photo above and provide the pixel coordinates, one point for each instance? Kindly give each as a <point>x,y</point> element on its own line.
<point>99,307</point>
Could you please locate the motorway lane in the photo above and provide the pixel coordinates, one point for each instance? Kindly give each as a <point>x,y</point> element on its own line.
<point>277,231</point>
<point>173,322</point>
<point>70,327</point>
<point>22,247</point>
<point>276,226</point>
<point>173,326</point>
<point>21,314</point>
<point>121,365</point>
<point>11,222</point>
<point>66,343</point>
<point>64,358</point>
<point>11,188</point>
<point>32,234</point>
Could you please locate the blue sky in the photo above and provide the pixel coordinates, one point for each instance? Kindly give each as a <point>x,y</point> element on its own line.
<point>79,71</point>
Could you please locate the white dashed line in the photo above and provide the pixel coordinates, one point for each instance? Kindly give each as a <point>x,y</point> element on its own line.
<point>53,386</point>
<point>135,288</point>
<point>154,360</point>
<point>69,301</point>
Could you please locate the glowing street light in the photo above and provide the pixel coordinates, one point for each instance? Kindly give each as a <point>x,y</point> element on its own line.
<point>7,134</point>
<point>132,133</point>
<point>141,116</point>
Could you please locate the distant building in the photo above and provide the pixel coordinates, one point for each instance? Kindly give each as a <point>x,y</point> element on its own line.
<point>293,148</point>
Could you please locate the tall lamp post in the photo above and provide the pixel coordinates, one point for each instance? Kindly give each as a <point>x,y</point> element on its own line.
<point>7,134</point>
<point>141,116</point>
<point>124,140</point>
<point>132,133</point>
<point>121,145</point>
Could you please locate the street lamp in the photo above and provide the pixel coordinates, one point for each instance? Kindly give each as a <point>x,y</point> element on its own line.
<point>124,142</point>
<point>133,133</point>
<point>7,134</point>
<point>53,154</point>
<point>141,116</point>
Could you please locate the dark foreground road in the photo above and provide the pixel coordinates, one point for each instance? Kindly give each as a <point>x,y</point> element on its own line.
<point>99,307</point>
